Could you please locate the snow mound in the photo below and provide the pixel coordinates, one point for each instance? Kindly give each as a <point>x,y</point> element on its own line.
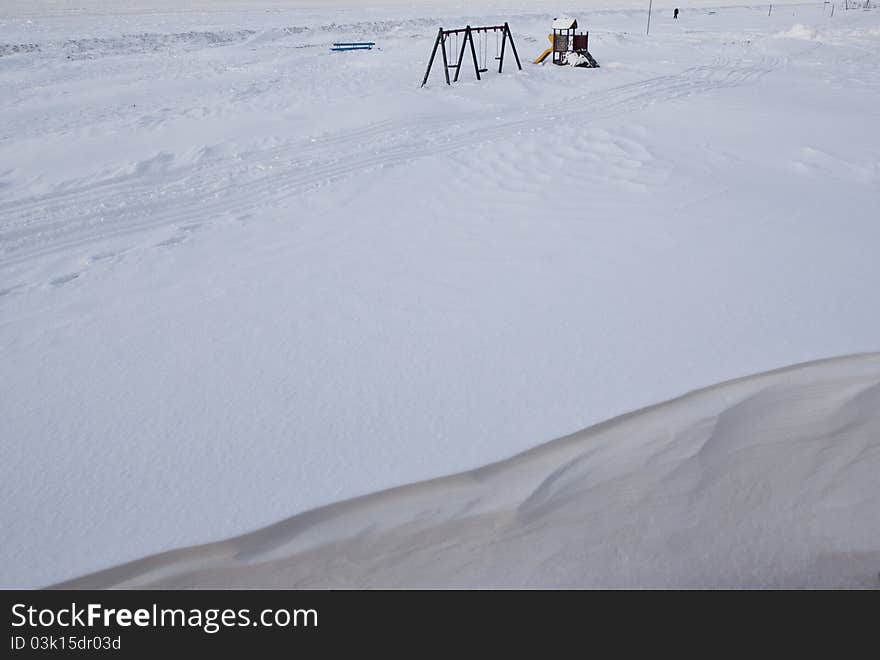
<point>577,59</point>
<point>800,31</point>
<point>765,481</point>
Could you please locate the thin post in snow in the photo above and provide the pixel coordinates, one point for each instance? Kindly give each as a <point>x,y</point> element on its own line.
<point>832,9</point>
<point>648,29</point>
<point>512,46</point>
<point>770,11</point>
<point>433,54</point>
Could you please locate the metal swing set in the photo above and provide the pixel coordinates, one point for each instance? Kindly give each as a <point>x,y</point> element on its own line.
<point>451,42</point>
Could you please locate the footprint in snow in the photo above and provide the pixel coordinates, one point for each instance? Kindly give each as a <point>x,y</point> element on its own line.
<point>180,238</point>
<point>8,290</point>
<point>64,279</point>
<point>168,242</point>
<point>103,256</point>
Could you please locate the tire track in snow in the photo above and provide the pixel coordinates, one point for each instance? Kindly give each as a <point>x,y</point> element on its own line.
<point>135,182</point>
<point>388,128</point>
<point>121,207</point>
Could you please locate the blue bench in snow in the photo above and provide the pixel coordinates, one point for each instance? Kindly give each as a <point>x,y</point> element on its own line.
<point>354,45</point>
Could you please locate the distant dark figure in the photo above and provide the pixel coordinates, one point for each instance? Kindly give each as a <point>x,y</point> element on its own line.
<point>675,13</point>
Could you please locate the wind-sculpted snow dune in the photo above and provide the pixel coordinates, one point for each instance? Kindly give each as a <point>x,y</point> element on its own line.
<point>765,481</point>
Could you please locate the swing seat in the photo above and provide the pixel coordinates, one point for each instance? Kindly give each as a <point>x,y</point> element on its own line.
<point>483,70</point>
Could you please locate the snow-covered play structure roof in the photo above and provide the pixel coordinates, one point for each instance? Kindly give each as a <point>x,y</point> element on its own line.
<point>565,23</point>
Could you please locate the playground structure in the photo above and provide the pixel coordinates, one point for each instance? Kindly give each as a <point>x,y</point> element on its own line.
<point>567,47</point>
<point>448,42</point>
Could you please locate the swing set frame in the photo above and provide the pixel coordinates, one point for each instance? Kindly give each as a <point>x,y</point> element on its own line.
<point>445,35</point>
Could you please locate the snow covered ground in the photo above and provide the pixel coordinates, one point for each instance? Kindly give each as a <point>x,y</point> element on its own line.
<point>242,277</point>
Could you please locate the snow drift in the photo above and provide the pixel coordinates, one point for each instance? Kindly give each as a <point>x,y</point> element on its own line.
<point>800,31</point>
<point>768,481</point>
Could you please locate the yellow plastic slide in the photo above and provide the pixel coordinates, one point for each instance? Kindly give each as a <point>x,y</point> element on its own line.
<point>544,55</point>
